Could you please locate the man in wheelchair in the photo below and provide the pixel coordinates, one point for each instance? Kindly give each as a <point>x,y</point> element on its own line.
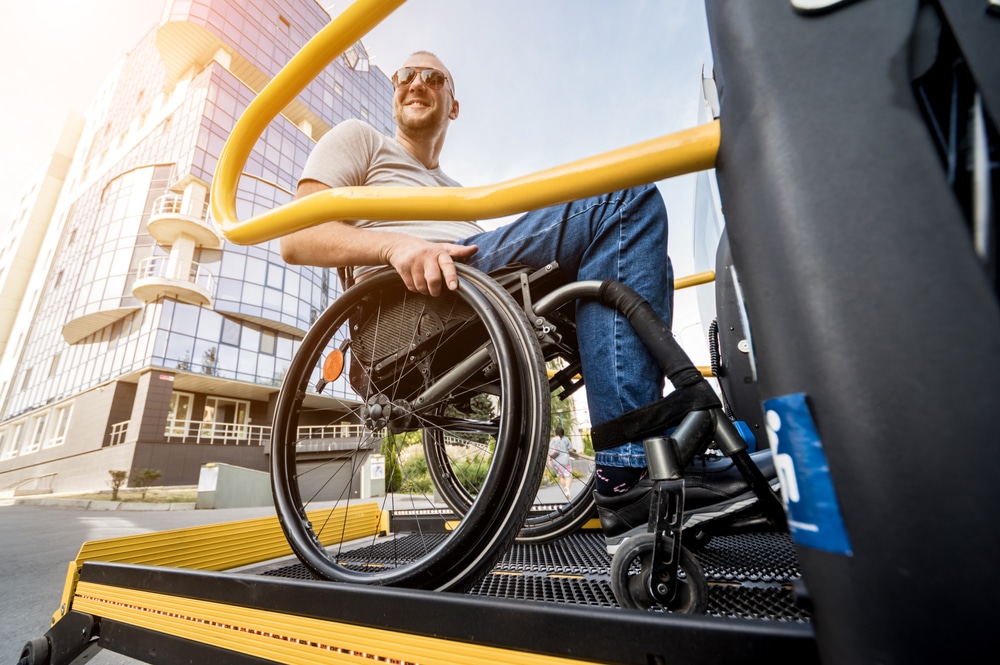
<point>621,236</point>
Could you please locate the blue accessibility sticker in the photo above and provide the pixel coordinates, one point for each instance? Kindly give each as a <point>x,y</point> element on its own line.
<point>806,487</point>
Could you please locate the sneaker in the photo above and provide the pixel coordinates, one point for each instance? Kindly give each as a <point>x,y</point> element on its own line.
<point>713,488</point>
<point>624,515</point>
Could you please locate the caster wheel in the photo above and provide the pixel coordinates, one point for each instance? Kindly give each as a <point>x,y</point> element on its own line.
<point>630,570</point>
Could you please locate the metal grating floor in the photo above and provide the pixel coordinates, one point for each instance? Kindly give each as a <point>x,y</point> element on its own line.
<point>749,575</point>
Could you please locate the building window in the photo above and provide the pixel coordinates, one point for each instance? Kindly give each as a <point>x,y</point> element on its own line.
<point>268,341</point>
<point>3,443</point>
<point>275,276</point>
<point>356,57</point>
<point>54,365</point>
<point>226,418</point>
<point>179,414</point>
<point>16,434</point>
<point>37,434</point>
<point>62,425</point>
<point>231,332</point>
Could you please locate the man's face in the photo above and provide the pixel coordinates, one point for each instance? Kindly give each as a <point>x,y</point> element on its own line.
<point>418,109</point>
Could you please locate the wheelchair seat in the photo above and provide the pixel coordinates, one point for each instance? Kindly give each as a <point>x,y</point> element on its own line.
<point>403,339</point>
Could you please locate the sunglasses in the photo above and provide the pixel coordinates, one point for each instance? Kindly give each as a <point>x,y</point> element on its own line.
<point>432,78</point>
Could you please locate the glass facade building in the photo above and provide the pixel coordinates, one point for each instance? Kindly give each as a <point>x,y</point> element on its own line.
<point>154,343</point>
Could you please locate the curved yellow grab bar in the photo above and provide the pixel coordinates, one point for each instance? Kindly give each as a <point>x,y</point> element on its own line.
<point>330,42</point>
<point>683,152</point>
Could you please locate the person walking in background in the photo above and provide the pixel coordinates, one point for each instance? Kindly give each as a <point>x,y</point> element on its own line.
<point>560,461</point>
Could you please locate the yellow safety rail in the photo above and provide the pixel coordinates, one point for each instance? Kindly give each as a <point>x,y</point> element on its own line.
<point>675,154</point>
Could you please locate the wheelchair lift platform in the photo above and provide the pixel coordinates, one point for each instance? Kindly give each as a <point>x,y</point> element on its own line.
<point>233,593</point>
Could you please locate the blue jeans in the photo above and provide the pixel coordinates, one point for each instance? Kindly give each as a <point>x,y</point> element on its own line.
<point>620,236</point>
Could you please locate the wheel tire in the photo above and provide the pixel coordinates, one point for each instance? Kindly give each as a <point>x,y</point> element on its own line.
<point>462,555</point>
<point>630,570</point>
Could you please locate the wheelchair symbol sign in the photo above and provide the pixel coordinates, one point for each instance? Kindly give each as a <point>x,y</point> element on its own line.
<point>806,486</point>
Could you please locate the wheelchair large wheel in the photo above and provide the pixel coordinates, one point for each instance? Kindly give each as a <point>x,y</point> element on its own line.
<point>457,367</point>
<point>552,514</point>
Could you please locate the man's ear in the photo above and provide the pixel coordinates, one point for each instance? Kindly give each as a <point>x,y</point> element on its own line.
<point>454,109</point>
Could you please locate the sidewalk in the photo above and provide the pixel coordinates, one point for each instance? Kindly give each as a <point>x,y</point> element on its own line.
<point>95,504</point>
<point>159,499</point>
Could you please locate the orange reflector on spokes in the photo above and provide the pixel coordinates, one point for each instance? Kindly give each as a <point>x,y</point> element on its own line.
<point>333,366</point>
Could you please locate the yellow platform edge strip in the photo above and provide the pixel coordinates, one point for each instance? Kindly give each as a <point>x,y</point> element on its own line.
<point>286,638</point>
<point>222,546</point>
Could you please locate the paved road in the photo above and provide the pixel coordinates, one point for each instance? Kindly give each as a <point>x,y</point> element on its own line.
<point>38,542</point>
<point>36,545</point>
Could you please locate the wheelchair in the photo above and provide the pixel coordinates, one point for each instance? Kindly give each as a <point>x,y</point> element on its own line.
<point>460,385</point>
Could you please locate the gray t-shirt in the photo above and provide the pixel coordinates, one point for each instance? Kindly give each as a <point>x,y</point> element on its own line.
<point>353,154</point>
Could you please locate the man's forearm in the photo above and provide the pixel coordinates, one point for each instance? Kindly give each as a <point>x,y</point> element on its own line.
<point>335,245</point>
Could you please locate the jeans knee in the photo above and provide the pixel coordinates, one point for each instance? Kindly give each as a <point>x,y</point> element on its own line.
<point>645,212</point>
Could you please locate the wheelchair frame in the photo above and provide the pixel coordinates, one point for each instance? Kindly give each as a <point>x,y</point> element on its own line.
<point>415,382</point>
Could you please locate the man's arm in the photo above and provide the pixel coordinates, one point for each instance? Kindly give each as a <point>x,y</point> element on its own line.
<point>423,265</point>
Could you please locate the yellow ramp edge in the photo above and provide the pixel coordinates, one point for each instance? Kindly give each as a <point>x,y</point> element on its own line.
<point>287,638</point>
<point>221,546</point>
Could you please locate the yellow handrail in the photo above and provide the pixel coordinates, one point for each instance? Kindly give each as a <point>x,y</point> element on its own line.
<point>675,154</point>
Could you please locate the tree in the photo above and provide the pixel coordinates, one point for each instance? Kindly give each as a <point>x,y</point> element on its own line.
<point>209,360</point>
<point>118,479</point>
<point>143,479</point>
<point>392,449</point>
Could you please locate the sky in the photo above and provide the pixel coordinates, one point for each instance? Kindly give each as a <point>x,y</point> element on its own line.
<point>540,82</point>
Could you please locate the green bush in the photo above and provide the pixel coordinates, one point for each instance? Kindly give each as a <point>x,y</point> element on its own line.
<point>118,478</point>
<point>400,477</point>
<point>141,480</point>
<point>412,476</point>
<point>472,474</point>
<point>416,479</point>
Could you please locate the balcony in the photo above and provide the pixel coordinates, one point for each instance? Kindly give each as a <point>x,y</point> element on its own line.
<point>309,439</point>
<point>80,327</point>
<point>170,219</point>
<point>157,278</point>
<point>220,434</point>
<point>334,438</point>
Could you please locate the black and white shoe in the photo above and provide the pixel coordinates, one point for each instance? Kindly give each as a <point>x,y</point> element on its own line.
<point>713,488</point>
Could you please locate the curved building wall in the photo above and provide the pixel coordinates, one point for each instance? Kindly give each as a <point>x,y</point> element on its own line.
<point>158,125</point>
